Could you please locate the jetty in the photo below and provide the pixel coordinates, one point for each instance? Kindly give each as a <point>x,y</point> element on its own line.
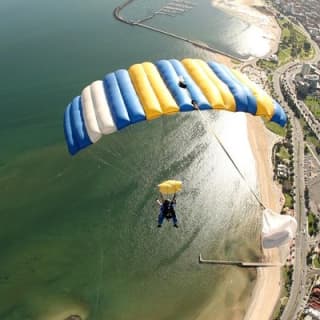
<point>166,13</point>
<point>172,10</point>
<point>241,264</point>
<point>183,4</point>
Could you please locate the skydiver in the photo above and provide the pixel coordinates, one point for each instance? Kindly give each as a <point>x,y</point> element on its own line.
<point>167,210</point>
<point>194,104</point>
<point>183,85</point>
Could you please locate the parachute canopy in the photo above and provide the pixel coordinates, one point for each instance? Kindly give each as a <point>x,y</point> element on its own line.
<point>277,229</point>
<point>146,91</point>
<point>170,186</point>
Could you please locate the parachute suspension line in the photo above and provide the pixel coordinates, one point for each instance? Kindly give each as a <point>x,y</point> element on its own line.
<point>161,138</point>
<point>99,280</point>
<point>106,163</point>
<point>232,161</point>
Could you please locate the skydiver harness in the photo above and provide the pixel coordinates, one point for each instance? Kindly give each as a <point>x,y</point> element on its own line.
<point>168,210</point>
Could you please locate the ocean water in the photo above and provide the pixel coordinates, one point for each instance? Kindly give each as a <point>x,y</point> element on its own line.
<point>78,234</point>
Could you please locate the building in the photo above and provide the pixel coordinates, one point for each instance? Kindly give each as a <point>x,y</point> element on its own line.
<point>273,58</point>
<point>307,82</point>
<point>312,80</point>
<point>305,69</point>
<point>306,12</point>
<point>302,88</point>
<point>282,171</point>
<point>315,314</point>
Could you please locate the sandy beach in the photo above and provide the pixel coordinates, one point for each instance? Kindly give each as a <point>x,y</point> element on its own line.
<point>267,288</point>
<point>266,292</point>
<point>249,12</point>
<point>268,284</point>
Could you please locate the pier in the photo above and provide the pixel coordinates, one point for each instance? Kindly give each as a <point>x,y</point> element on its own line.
<point>241,264</point>
<point>171,9</point>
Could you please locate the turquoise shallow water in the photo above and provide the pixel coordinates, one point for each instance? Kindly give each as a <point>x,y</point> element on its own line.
<point>78,234</point>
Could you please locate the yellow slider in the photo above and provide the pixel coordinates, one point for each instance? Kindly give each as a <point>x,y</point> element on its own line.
<point>170,186</point>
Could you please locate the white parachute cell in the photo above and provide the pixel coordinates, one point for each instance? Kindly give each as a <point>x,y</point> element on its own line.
<point>102,109</point>
<point>89,115</point>
<point>277,229</point>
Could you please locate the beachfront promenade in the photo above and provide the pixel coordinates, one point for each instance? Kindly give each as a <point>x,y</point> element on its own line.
<point>242,264</point>
<point>118,16</point>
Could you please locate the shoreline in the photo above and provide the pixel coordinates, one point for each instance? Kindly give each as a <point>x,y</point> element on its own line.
<point>139,23</point>
<point>253,12</point>
<point>267,288</point>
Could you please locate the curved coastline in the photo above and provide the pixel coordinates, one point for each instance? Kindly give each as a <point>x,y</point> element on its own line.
<point>198,44</point>
<point>256,13</point>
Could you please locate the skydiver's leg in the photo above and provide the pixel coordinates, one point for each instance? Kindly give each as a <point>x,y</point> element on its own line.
<point>175,221</point>
<point>160,219</point>
<point>195,105</point>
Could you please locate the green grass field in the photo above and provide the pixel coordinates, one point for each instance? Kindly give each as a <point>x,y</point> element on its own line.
<point>312,225</point>
<point>316,261</point>
<point>283,153</point>
<point>275,128</point>
<point>291,46</point>
<point>288,200</point>
<point>313,103</point>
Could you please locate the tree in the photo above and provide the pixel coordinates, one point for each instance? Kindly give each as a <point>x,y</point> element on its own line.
<point>306,46</point>
<point>299,50</point>
<point>307,197</point>
<point>309,258</point>
<point>293,52</point>
<point>316,224</point>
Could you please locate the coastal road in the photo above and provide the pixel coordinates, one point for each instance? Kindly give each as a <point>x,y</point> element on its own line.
<point>297,292</point>
<point>308,116</point>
